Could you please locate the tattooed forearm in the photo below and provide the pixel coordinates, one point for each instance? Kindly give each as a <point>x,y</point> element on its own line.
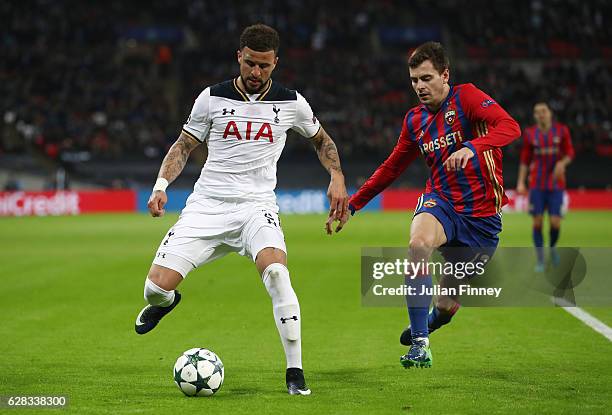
<point>177,156</point>
<point>327,152</point>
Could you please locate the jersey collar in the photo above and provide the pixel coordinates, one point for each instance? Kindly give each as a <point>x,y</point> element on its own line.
<point>245,95</point>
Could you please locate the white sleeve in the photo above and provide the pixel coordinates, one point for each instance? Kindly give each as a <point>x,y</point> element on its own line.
<point>198,123</point>
<point>305,123</point>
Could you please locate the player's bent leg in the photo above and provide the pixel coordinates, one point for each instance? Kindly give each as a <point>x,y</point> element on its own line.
<point>160,293</point>
<point>164,277</point>
<point>271,263</point>
<point>442,312</point>
<point>426,234</point>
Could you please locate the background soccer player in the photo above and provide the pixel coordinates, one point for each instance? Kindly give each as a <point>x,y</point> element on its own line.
<point>547,150</point>
<point>460,131</point>
<point>244,123</point>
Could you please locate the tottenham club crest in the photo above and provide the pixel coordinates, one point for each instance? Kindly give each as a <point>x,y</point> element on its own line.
<point>429,203</point>
<point>276,111</point>
<point>449,117</point>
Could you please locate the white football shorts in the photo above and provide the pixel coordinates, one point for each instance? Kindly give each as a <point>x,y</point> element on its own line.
<point>210,228</point>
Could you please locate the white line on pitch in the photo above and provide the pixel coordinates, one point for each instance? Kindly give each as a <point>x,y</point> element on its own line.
<point>594,323</point>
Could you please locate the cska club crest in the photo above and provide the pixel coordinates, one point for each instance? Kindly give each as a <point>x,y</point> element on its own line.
<point>429,203</point>
<point>449,117</point>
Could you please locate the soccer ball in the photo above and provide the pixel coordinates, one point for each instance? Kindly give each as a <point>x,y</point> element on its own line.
<point>198,372</point>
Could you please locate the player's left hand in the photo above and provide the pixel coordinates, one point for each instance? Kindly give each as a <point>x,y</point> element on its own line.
<point>341,222</point>
<point>559,171</point>
<point>338,200</point>
<point>338,197</point>
<point>458,160</point>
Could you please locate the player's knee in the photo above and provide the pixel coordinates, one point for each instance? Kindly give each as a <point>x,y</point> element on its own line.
<point>555,222</point>
<point>155,276</point>
<point>420,247</point>
<point>537,222</point>
<point>165,278</point>
<point>269,256</point>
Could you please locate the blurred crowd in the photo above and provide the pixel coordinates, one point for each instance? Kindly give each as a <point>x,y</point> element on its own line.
<point>117,79</point>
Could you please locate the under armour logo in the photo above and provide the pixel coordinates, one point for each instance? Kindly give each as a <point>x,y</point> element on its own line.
<point>226,111</point>
<point>169,235</point>
<point>276,111</point>
<point>285,319</point>
<point>161,255</point>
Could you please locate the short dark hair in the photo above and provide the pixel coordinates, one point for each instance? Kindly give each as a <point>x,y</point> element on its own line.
<point>542,102</point>
<point>260,38</point>
<point>432,51</point>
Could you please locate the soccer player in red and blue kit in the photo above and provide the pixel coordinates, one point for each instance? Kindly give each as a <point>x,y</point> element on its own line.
<point>547,150</point>
<point>460,131</point>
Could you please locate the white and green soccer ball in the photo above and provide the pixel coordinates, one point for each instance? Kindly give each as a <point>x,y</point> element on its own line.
<point>198,372</point>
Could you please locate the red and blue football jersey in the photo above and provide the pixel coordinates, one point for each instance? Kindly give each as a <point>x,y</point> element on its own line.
<point>468,117</point>
<point>542,150</point>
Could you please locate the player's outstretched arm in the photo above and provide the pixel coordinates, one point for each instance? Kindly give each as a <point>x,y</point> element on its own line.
<point>171,167</point>
<point>336,192</point>
<point>404,153</point>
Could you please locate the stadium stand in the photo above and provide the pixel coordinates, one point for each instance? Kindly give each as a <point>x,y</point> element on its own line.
<point>84,84</point>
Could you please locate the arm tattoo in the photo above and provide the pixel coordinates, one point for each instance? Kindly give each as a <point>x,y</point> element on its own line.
<point>177,157</point>
<point>327,151</point>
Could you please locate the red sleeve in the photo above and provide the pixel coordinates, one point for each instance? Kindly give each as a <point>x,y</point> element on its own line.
<point>478,106</point>
<point>527,149</point>
<point>567,149</point>
<point>404,153</point>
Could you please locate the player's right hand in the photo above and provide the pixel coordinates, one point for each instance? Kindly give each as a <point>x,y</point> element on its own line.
<point>559,171</point>
<point>156,203</point>
<point>521,189</point>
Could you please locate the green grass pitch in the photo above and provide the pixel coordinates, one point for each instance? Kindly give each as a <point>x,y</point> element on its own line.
<point>72,287</point>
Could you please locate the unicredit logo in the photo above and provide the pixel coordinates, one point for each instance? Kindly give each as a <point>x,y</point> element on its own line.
<point>39,204</point>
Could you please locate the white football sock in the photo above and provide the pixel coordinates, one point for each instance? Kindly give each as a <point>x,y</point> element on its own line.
<point>156,295</point>
<point>286,311</point>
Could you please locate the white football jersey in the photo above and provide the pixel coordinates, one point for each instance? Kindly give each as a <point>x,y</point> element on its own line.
<point>245,135</point>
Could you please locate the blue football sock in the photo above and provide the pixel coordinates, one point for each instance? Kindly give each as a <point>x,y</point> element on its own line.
<point>538,241</point>
<point>554,236</point>
<point>418,305</point>
<point>437,318</point>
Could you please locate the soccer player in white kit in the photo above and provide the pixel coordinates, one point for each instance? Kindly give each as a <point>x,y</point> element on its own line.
<point>233,207</point>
